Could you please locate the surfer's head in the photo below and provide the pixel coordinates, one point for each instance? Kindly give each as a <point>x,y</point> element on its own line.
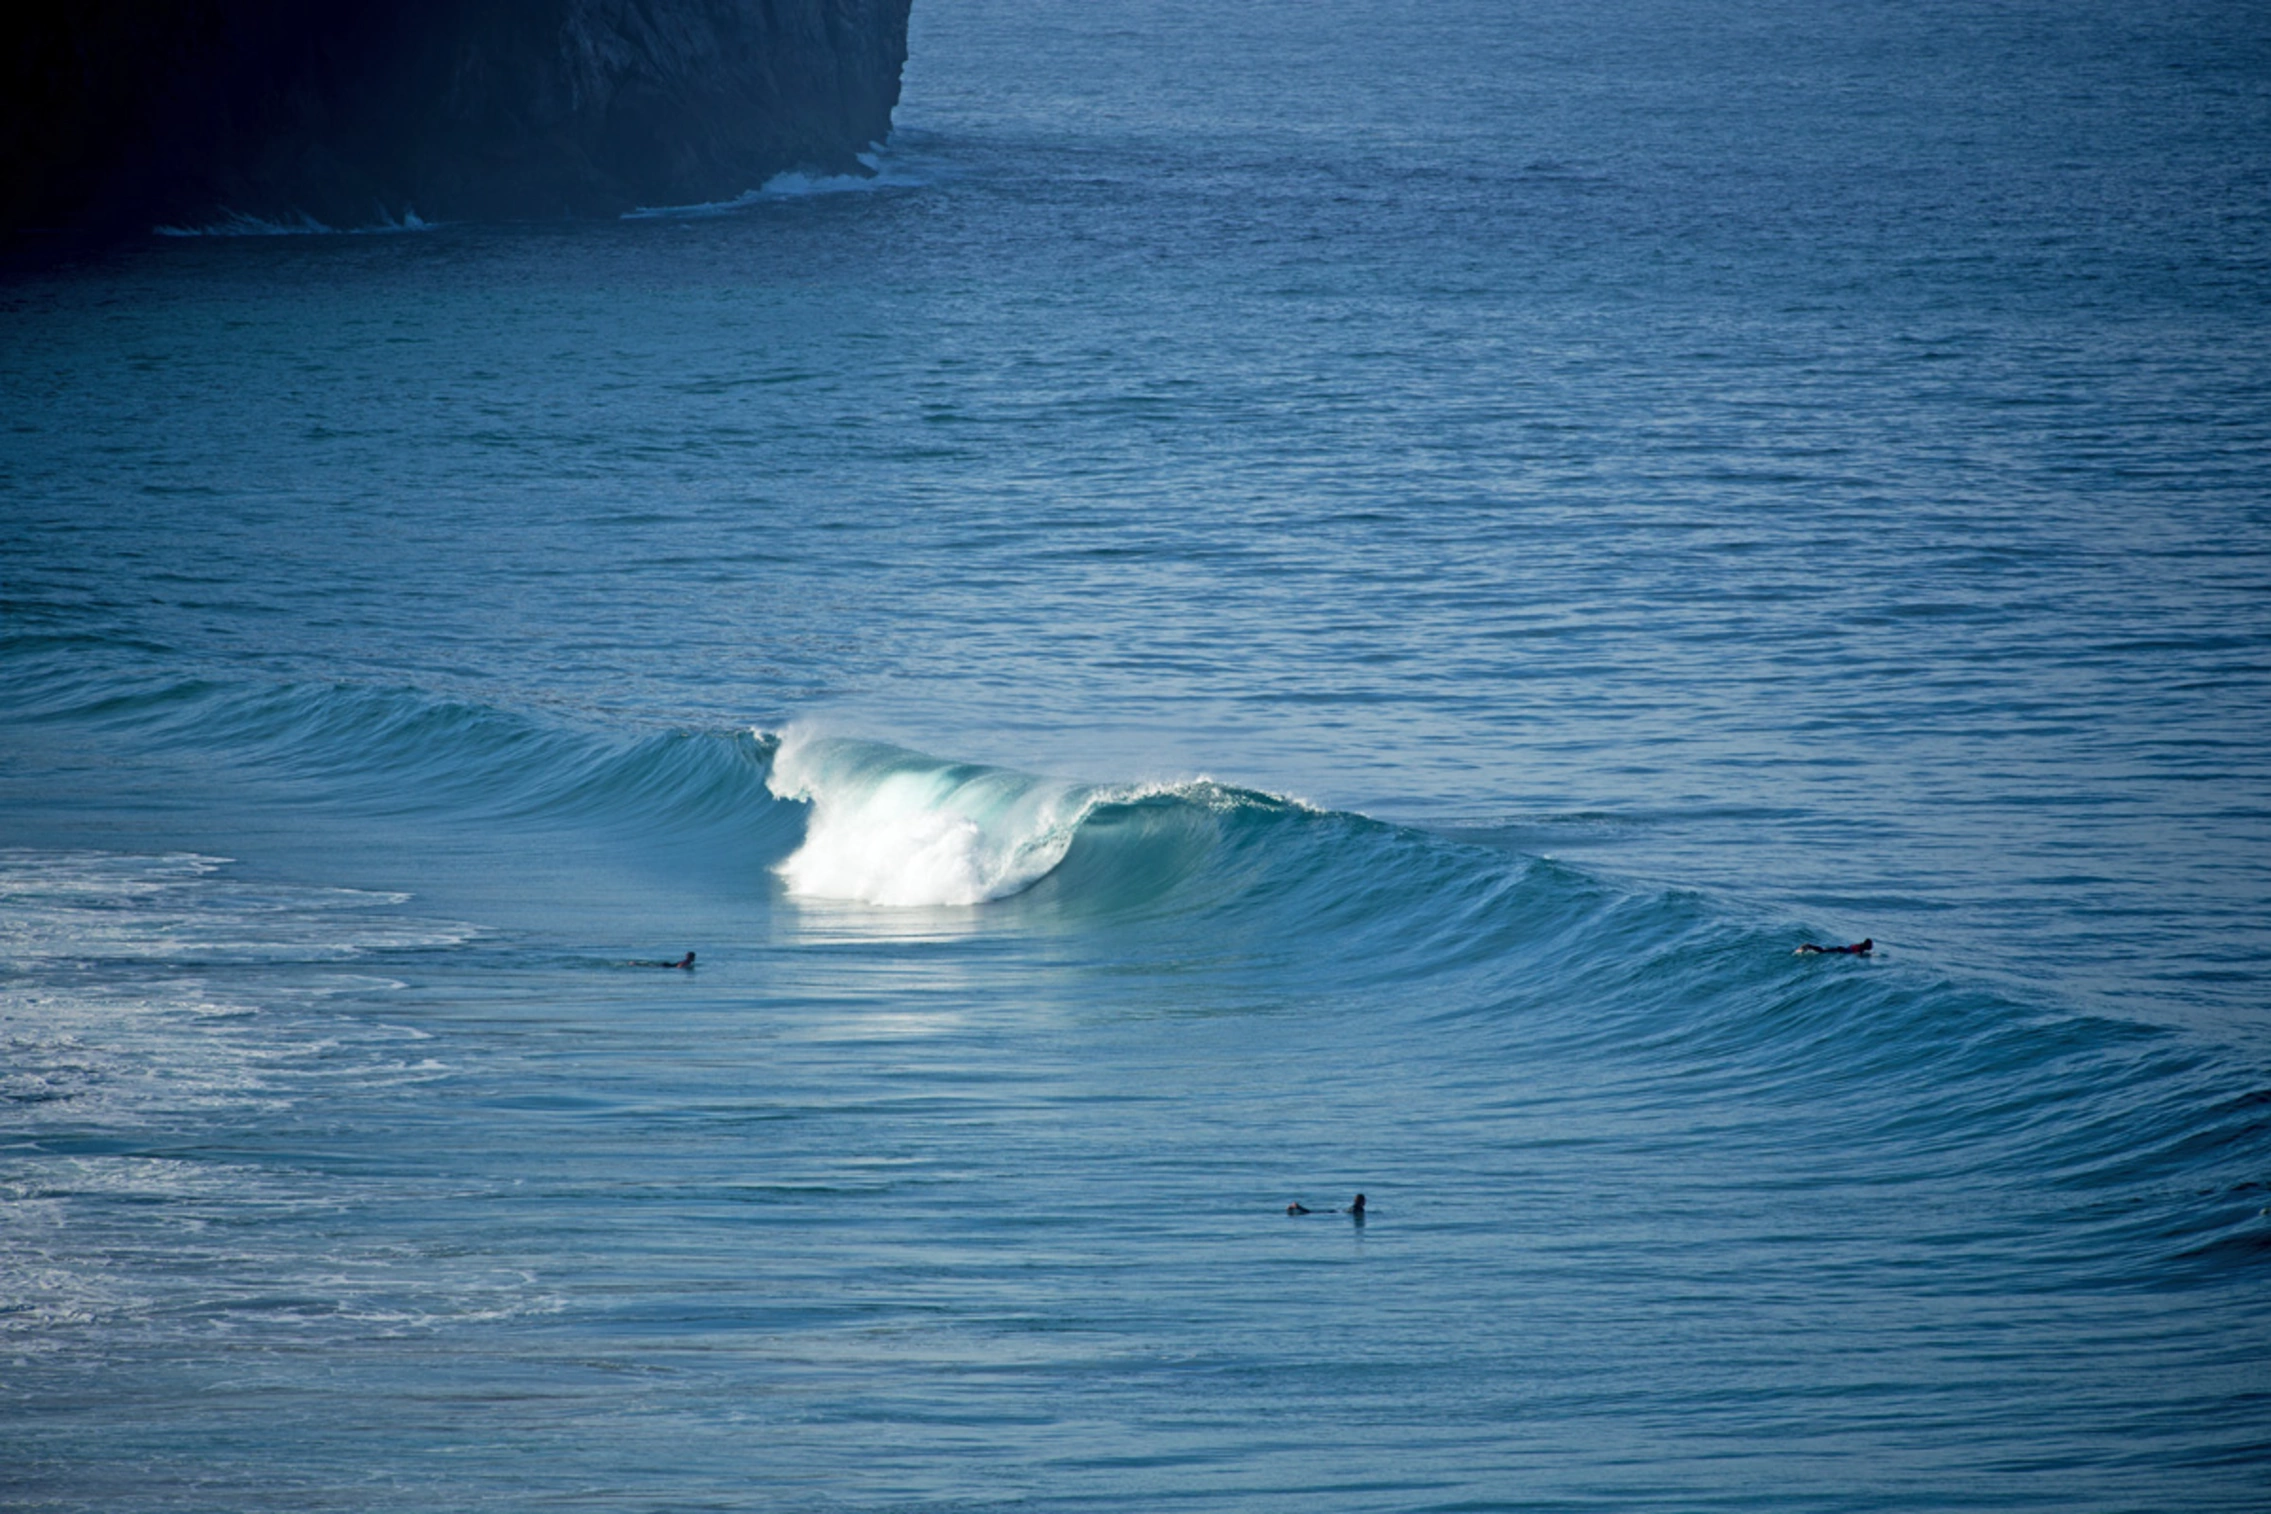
<point>1356,1206</point>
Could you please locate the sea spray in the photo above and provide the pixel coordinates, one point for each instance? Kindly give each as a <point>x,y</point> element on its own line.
<point>894,827</point>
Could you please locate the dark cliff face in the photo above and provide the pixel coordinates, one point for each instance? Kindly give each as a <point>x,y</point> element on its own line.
<point>119,114</point>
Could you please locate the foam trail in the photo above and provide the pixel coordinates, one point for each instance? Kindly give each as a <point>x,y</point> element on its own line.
<point>795,184</point>
<point>894,827</point>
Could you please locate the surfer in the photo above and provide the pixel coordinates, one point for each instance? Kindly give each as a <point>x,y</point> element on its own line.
<point>1860,948</point>
<point>686,962</point>
<point>1355,1208</point>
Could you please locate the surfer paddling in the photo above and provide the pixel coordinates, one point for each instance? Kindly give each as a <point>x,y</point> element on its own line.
<point>687,962</point>
<point>1860,948</point>
<point>1355,1208</point>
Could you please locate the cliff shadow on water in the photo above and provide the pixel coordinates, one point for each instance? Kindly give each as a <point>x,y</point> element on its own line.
<point>120,115</point>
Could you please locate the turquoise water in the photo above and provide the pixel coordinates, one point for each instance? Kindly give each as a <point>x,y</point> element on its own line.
<point>1289,603</point>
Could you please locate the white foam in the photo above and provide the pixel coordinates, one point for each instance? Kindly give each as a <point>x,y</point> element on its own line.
<point>125,1002</point>
<point>796,184</point>
<point>896,828</point>
<point>892,827</point>
<point>85,907</point>
<point>152,1001</point>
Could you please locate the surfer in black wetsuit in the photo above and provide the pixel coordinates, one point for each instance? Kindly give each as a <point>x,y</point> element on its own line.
<point>1860,948</point>
<point>1355,1208</point>
<point>686,962</point>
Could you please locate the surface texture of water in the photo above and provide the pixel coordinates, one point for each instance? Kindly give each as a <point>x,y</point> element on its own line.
<point>1657,484</point>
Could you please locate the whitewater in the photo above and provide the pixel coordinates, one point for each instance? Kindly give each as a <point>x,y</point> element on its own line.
<point>1287,603</point>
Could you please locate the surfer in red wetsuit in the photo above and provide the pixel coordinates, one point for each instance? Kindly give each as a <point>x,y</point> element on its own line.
<point>1860,948</point>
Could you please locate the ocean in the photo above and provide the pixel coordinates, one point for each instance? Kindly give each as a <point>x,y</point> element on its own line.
<point>1293,600</point>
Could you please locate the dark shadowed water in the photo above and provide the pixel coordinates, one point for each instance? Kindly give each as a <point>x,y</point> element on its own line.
<point>1297,599</point>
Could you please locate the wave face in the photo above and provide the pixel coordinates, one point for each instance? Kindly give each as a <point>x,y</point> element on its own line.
<point>992,1020</point>
<point>1466,952</point>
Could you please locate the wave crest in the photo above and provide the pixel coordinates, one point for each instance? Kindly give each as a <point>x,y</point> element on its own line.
<point>891,826</point>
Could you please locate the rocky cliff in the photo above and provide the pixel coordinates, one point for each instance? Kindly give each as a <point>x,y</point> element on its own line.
<point>120,114</point>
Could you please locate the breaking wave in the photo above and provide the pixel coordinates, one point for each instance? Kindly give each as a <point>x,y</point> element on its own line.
<point>895,827</point>
<point>1452,942</point>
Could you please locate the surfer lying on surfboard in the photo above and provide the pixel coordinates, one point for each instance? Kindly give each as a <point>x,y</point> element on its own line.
<point>686,962</point>
<point>1860,948</point>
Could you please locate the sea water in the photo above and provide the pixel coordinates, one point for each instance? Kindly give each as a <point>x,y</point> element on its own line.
<point>1293,600</point>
